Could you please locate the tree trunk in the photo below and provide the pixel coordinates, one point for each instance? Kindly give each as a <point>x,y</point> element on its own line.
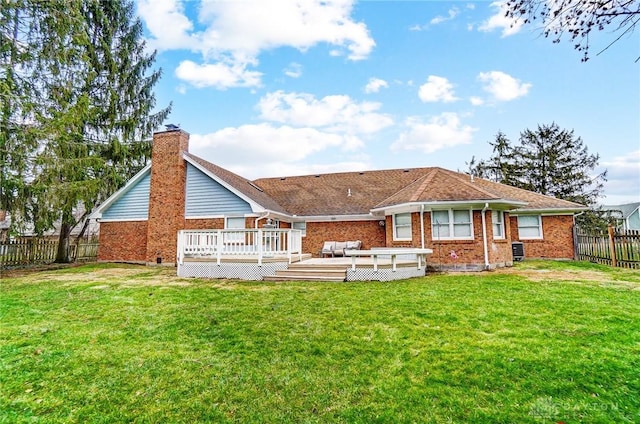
<point>63,256</point>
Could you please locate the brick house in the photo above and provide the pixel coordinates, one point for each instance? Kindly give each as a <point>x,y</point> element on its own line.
<point>466,221</point>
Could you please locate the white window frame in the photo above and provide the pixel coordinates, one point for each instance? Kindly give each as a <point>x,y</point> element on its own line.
<point>497,221</point>
<point>234,238</point>
<point>538,226</point>
<point>451,224</point>
<point>300,225</point>
<point>396,226</point>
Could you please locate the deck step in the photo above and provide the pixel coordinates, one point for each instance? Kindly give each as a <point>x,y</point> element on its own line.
<point>309,273</point>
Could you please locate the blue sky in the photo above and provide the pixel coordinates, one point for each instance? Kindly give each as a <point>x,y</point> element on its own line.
<point>268,88</point>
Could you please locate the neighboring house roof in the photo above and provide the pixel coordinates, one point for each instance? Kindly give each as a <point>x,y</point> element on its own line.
<point>626,210</point>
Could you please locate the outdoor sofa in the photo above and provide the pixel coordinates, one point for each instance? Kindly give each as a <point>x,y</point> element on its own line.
<point>337,248</point>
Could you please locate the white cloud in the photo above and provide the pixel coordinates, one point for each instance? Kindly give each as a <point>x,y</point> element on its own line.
<point>165,19</point>
<point>437,89</point>
<point>254,146</point>
<point>503,87</point>
<point>453,12</point>
<point>439,132</point>
<point>294,70</point>
<point>374,85</point>
<point>337,113</point>
<point>476,101</point>
<point>236,32</point>
<point>499,21</point>
<point>623,178</point>
<point>219,75</point>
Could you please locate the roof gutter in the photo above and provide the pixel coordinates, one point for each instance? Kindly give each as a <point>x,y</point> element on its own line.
<point>484,236</point>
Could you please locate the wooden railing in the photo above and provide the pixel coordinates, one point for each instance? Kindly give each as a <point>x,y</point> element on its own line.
<point>258,243</point>
<point>615,248</point>
<point>33,250</point>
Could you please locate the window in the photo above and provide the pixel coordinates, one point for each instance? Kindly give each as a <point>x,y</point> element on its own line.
<point>302,226</point>
<point>402,226</point>
<point>497,219</point>
<point>530,227</point>
<point>234,223</point>
<point>452,224</point>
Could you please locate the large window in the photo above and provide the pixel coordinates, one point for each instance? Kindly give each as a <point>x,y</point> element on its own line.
<point>452,224</point>
<point>302,226</point>
<point>402,226</point>
<point>497,219</point>
<point>530,226</point>
<point>234,223</point>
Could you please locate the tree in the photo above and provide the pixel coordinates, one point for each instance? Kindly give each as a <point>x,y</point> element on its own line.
<point>577,18</point>
<point>20,42</point>
<point>549,161</point>
<point>93,112</point>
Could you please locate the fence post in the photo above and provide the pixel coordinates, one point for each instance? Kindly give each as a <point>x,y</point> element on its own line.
<point>612,247</point>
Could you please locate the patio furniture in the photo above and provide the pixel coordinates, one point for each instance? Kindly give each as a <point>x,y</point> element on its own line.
<point>337,248</point>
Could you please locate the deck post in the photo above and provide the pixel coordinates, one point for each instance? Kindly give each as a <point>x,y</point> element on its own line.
<point>260,246</point>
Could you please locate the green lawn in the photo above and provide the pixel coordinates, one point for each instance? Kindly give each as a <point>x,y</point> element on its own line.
<point>551,342</point>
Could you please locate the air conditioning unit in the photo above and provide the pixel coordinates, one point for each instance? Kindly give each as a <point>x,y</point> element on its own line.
<point>517,248</point>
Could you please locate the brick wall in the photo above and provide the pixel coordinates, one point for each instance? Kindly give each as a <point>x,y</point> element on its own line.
<point>557,242</point>
<point>167,195</point>
<point>123,241</point>
<point>369,232</point>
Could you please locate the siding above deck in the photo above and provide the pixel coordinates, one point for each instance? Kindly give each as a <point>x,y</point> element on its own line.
<point>206,197</point>
<point>132,205</point>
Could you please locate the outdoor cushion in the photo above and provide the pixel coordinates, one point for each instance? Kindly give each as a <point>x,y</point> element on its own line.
<point>353,245</point>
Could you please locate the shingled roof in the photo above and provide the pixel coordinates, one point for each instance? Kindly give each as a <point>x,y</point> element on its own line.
<point>348,193</point>
<point>358,193</point>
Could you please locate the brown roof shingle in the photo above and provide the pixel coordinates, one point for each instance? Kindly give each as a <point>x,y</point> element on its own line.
<point>357,193</point>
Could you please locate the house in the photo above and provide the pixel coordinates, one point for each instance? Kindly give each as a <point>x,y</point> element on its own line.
<point>627,216</point>
<point>467,222</point>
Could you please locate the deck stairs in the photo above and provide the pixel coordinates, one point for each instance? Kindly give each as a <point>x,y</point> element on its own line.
<point>310,272</point>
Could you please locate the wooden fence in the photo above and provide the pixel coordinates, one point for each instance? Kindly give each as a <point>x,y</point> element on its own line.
<point>31,251</point>
<point>615,248</point>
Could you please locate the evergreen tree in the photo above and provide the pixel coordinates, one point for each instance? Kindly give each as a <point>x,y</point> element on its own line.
<point>549,161</point>
<point>93,112</point>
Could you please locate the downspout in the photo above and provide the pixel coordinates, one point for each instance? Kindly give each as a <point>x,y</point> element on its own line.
<point>484,236</point>
<point>422,226</point>
<point>261,217</point>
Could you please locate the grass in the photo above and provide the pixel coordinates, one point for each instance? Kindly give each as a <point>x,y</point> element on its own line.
<point>544,342</point>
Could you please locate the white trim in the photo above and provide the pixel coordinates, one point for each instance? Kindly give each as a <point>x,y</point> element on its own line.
<point>540,237</point>
<point>440,205</point>
<point>451,224</point>
<point>97,214</point>
<point>101,220</point>
<point>393,223</point>
<point>493,225</point>
<point>250,215</point>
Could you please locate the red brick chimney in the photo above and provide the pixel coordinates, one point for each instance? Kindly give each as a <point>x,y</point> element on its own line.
<point>166,195</point>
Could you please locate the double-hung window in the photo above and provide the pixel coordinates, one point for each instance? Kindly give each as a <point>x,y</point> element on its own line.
<point>497,219</point>
<point>234,223</point>
<point>302,226</point>
<point>452,224</point>
<point>402,226</point>
<point>530,226</point>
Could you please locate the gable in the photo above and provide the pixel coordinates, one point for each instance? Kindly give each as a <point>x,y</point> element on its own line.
<point>205,197</point>
<point>133,205</point>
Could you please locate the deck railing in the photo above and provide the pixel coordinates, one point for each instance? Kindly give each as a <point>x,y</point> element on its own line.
<point>257,243</point>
